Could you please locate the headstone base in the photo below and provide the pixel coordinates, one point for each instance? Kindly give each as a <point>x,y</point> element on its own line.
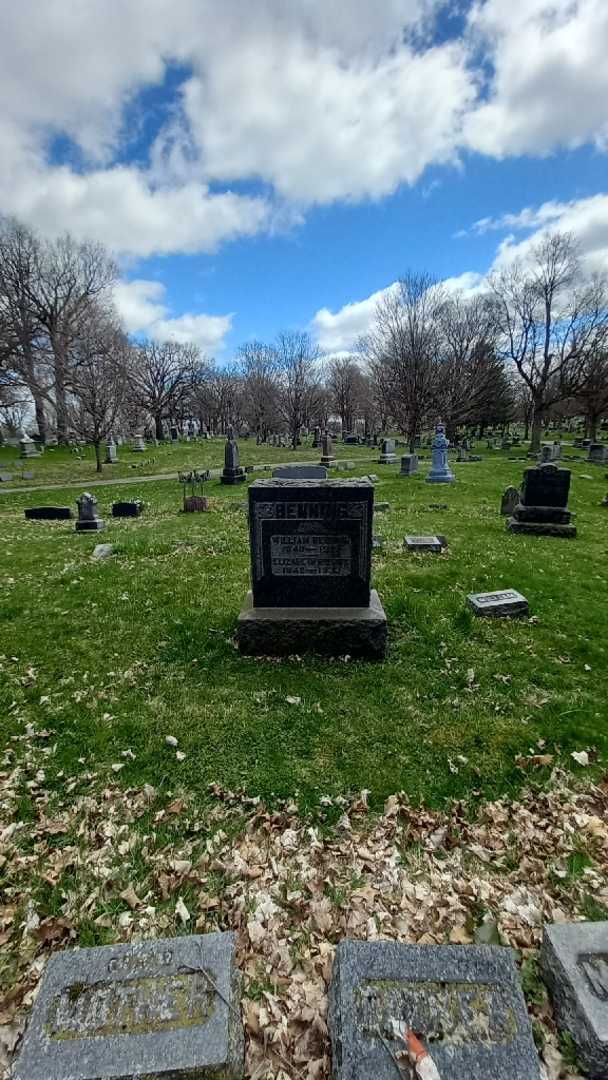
<point>283,631</point>
<point>236,477</point>
<point>90,526</point>
<point>541,528</point>
<point>327,462</point>
<point>441,478</point>
<point>387,459</point>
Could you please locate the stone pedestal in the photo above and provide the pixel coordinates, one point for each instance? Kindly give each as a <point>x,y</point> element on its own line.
<point>139,446</point>
<point>27,447</point>
<point>440,470</point>
<point>111,455</point>
<point>543,505</point>
<point>387,453</point>
<point>327,452</point>
<point>311,543</point>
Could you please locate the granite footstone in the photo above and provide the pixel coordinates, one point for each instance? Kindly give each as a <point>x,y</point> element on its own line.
<point>502,604</point>
<point>420,544</point>
<point>158,1010</point>
<point>464,1002</point>
<point>574,963</point>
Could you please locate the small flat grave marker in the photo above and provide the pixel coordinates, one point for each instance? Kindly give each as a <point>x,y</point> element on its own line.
<point>465,1003</point>
<point>300,472</point>
<point>499,605</point>
<point>574,960</point>
<point>425,543</point>
<point>138,1011</point>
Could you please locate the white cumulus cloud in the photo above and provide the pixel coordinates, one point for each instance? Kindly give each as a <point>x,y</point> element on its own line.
<point>142,307</point>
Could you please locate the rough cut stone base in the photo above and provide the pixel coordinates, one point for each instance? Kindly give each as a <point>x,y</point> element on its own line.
<point>541,528</point>
<point>281,631</point>
<point>233,478</point>
<point>90,526</point>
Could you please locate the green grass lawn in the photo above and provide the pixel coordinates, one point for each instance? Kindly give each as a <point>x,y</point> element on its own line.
<point>116,655</point>
<point>63,465</point>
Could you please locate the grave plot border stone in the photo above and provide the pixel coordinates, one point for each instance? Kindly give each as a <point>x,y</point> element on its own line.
<point>88,996</point>
<point>574,963</point>
<point>501,604</point>
<point>470,995</point>
<point>48,513</point>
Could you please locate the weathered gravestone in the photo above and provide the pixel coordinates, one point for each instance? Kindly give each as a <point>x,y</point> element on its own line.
<point>111,454</point>
<point>509,501</point>
<point>87,514</point>
<point>48,513</point>
<point>316,438</point>
<point>598,454</point>
<point>543,505</point>
<point>464,1002</point>
<point>27,447</point>
<point>155,1010</point>
<point>128,508</point>
<point>387,452</point>
<point>233,473</point>
<point>425,543</point>
<point>327,452</point>
<point>139,446</point>
<point>409,465</point>
<point>311,546</point>
<point>505,603</point>
<point>300,472</point>
<point>102,551</point>
<point>440,470</point>
<point>5,477</point>
<point>574,961</point>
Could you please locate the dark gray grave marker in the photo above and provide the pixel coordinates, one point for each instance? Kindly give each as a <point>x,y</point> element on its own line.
<point>543,505</point>
<point>48,513</point>
<point>425,543</point>
<point>502,604</point>
<point>574,960</point>
<point>464,1002</point>
<point>137,1012</point>
<point>130,508</point>
<point>300,472</point>
<point>88,521</point>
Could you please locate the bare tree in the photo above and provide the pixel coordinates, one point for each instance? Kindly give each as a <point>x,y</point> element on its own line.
<point>346,387</point>
<point>99,379</point>
<point>403,349</point>
<point>472,385</point>
<point>299,379</point>
<point>161,378</point>
<point>551,318</point>
<point>258,366</point>
<point>593,396</point>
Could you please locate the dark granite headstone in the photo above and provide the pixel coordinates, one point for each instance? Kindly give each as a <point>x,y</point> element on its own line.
<point>146,1011</point>
<point>48,513</point>
<point>233,473</point>
<point>506,603</point>
<point>543,506</point>
<point>311,544</point>
<point>574,961</point>
<point>131,508</point>
<point>299,472</point>
<point>464,1002</point>
<point>87,514</point>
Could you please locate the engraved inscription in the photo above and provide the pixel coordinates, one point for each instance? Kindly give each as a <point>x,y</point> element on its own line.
<point>130,963</point>
<point>309,511</point>
<point>455,1012</point>
<point>310,555</point>
<point>594,967</point>
<point>494,598</point>
<point>131,1007</point>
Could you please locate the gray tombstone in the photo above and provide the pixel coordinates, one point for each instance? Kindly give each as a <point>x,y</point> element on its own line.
<point>387,452</point>
<point>574,961</point>
<point>27,447</point>
<point>327,451</point>
<point>87,514</point>
<point>111,455</point>
<point>409,465</point>
<point>464,1002</point>
<point>440,470</point>
<point>233,472</point>
<point>139,446</point>
<point>5,477</point>
<point>157,1009</point>
<point>462,453</point>
<point>598,454</point>
<point>310,569</point>
<point>418,544</point>
<point>509,501</point>
<point>546,453</point>
<point>543,505</point>
<point>505,603</point>
<point>299,472</point>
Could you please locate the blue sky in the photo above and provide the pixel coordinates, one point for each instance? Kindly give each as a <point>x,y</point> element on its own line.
<point>253,175</point>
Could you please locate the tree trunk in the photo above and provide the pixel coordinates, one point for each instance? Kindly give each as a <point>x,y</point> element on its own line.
<point>40,417</point>
<point>592,420</point>
<point>537,428</point>
<point>97,446</point>
<point>61,408</point>
<point>158,426</point>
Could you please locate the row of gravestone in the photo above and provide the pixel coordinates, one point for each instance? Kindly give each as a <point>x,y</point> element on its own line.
<point>163,1010</point>
<point>88,519</point>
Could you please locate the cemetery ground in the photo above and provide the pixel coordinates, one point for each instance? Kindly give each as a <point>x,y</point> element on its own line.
<point>251,816</point>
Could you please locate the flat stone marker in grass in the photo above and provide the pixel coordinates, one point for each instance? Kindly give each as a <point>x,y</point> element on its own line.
<point>137,1012</point>
<point>574,960</point>
<point>48,513</point>
<point>506,603</point>
<point>463,1001</point>
<point>425,543</point>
